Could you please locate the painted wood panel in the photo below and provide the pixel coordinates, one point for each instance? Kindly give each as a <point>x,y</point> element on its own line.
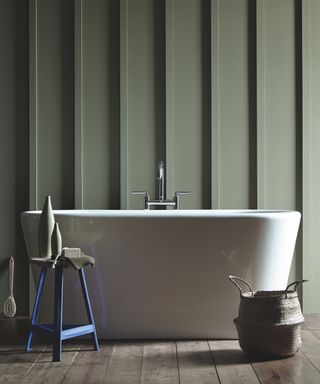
<point>311,154</point>
<point>187,105</point>
<point>276,111</point>
<point>14,151</point>
<point>142,107</point>
<point>276,104</point>
<point>7,150</point>
<point>100,104</point>
<point>54,109</point>
<point>231,125</point>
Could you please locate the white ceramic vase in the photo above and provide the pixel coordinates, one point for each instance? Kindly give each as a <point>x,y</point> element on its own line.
<point>56,240</point>
<point>46,225</point>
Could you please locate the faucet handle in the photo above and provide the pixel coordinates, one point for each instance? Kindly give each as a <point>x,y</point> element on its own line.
<point>146,197</point>
<point>177,197</point>
<point>182,193</point>
<point>144,193</point>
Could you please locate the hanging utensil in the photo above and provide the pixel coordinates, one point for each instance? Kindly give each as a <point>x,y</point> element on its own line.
<point>10,308</point>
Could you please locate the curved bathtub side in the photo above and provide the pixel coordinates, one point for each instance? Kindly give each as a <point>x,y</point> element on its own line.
<point>274,257</point>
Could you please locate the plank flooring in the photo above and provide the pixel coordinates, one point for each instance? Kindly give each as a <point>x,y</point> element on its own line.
<point>155,362</point>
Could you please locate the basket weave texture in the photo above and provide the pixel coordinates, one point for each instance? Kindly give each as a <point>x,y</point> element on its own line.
<point>269,322</point>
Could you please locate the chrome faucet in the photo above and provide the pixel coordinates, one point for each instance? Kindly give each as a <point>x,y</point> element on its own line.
<point>161,201</point>
<point>160,179</point>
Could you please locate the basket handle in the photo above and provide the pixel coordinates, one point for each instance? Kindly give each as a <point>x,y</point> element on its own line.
<point>233,278</point>
<point>295,284</point>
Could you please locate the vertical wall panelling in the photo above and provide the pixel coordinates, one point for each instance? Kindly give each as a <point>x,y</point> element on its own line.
<point>33,122</point>
<point>260,106</point>
<point>159,49</point>
<point>100,103</point>
<point>21,116</point>
<point>114,157</point>
<point>252,102</point>
<point>33,126</point>
<point>188,132</point>
<point>78,86</point>
<point>170,79</point>
<point>311,154</point>
<point>206,115</point>
<point>55,101</point>
<point>225,91</point>
<point>233,104</point>
<point>276,106</point>
<point>232,98</point>
<point>124,103</point>
<point>141,99</point>
<point>215,177</point>
<point>297,270</point>
<point>14,146</point>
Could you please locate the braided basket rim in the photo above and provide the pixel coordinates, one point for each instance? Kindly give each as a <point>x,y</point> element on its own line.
<point>262,295</point>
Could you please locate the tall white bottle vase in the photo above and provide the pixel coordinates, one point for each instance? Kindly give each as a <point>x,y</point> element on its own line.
<point>56,240</point>
<point>46,225</point>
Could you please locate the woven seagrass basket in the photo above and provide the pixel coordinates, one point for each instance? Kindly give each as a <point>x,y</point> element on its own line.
<point>269,322</point>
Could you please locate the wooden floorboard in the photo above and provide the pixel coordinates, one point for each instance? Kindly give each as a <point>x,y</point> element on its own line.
<point>312,321</point>
<point>46,371</point>
<point>155,362</point>
<point>160,365</point>
<point>311,348</point>
<point>15,363</point>
<point>233,366</point>
<point>89,366</point>
<point>125,364</point>
<point>195,362</point>
<point>296,369</point>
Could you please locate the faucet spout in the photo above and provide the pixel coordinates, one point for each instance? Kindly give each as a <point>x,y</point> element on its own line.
<point>161,202</point>
<point>161,180</point>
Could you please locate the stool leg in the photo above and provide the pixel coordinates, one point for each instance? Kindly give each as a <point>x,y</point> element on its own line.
<point>88,307</point>
<point>58,305</point>
<point>35,312</point>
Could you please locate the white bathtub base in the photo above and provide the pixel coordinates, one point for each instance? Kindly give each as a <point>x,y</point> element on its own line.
<point>164,275</point>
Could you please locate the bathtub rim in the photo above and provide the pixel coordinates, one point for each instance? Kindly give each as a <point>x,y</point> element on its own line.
<point>187,213</point>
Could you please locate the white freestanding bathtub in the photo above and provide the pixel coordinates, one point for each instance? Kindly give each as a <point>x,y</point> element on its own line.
<point>164,274</point>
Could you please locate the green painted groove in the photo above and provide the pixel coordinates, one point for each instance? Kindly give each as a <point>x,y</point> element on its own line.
<point>78,75</point>
<point>170,112</point>
<point>260,107</point>
<point>33,128</point>
<point>215,147</point>
<point>124,102</point>
<point>33,111</point>
<point>311,154</point>
<point>14,146</point>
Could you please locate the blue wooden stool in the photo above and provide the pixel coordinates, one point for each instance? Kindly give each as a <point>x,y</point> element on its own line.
<point>58,331</point>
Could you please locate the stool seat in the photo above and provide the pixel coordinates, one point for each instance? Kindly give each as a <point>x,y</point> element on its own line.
<point>57,330</point>
<point>69,257</point>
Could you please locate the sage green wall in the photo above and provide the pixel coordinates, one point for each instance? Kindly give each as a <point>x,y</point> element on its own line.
<point>225,91</point>
<point>311,154</point>
<point>13,146</point>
